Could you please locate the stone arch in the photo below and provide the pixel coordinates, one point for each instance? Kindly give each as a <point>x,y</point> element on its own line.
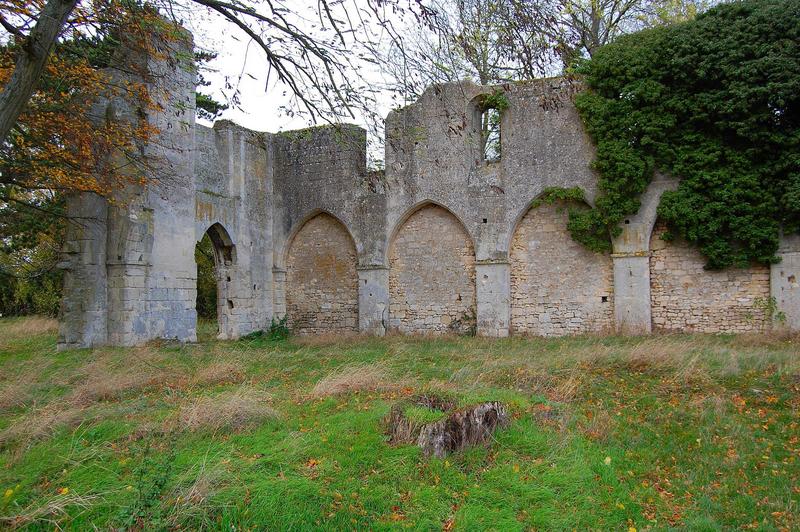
<point>225,269</point>
<point>684,296</point>
<point>282,256</point>
<point>431,273</point>
<point>558,287</point>
<point>411,211</point>
<point>321,277</point>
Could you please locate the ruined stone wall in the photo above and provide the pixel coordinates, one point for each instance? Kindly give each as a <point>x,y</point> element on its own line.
<point>233,203</point>
<point>321,279</point>
<point>433,154</point>
<point>432,274</point>
<point>558,287</point>
<point>443,240</point>
<point>687,298</point>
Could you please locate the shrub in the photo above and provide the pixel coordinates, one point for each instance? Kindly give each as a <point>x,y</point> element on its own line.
<point>714,102</point>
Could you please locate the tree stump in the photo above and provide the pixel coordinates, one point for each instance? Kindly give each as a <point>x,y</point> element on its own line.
<point>455,430</point>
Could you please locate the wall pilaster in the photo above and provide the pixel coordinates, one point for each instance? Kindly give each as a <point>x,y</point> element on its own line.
<point>493,293</point>
<point>373,299</point>
<point>784,283</point>
<point>632,292</point>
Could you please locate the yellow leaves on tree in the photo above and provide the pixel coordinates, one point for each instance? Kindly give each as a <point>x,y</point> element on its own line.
<point>64,140</point>
<point>60,142</point>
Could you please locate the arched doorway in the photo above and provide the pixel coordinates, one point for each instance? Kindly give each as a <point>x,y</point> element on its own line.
<point>321,278</point>
<point>432,274</point>
<point>558,286</point>
<point>215,256</point>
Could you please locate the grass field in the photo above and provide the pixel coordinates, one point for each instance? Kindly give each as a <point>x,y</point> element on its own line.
<point>612,433</point>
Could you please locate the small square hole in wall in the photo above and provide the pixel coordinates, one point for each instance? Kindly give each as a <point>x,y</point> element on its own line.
<point>604,299</point>
<point>485,220</point>
<point>627,222</point>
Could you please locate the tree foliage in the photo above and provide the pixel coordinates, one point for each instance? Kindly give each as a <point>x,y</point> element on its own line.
<point>60,143</point>
<point>206,278</point>
<point>29,250</point>
<point>715,102</point>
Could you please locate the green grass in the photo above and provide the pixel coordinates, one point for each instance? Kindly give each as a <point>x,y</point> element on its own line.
<point>697,432</point>
<point>423,415</point>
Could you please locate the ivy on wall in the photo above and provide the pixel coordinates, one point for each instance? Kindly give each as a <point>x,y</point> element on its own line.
<point>715,102</point>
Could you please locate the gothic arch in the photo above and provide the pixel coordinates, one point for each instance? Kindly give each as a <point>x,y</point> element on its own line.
<point>321,277</point>
<point>281,258</point>
<point>225,273</point>
<point>558,287</point>
<point>431,259</point>
<point>224,248</point>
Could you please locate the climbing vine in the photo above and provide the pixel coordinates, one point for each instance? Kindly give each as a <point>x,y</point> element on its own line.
<point>714,102</point>
<point>497,99</point>
<point>551,195</point>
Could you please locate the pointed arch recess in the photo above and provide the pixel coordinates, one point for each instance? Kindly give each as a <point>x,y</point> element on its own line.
<point>321,277</point>
<point>431,273</point>
<point>413,210</point>
<point>225,272</point>
<point>224,248</point>
<point>558,287</point>
<point>298,226</point>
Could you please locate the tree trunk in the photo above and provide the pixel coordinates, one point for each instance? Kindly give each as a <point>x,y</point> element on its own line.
<point>459,429</point>
<point>31,59</point>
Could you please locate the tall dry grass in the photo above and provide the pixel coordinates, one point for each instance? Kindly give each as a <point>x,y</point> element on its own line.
<point>102,384</point>
<point>193,493</point>
<point>357,378</point>
<point>46,512</point>
<point>21,386</point>
<point>227,411</point>
<point>42,423</point>
<point>222,372</point>
<point>28,326</point>
<point>108,378</point>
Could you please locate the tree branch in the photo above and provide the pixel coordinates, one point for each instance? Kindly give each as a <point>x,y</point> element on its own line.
<point>31,59</point>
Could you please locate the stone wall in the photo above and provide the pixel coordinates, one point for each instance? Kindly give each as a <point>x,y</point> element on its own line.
<point>558,287</point>
<point>474,257</point>
<point>687,298</point>
<point>321,279</point>
<point>432,274</point>
<point>236,210</point>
